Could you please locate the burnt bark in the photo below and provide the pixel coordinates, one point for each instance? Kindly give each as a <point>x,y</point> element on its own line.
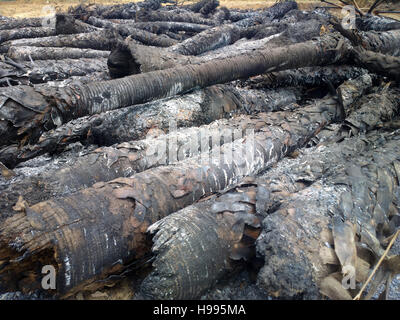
<point>31,32</point>
<point>129,205</point>
<point>345,179</point>
<point>145,15</point>
<point>204,257</point>
<point>305,77</point>
<point>376,23</point>
<point>66,24</point>
<point>150,59</point>
<point>378,63</point>
<point>49,70</point>
<point>135,122</point>
<point>12,23</point>
<point>159,27</point>
<point>207,40</point>
<point>98,40</point>
<point>76,101</point>
<point>204,7</point>
<point>53,53</point>
<point>143,36</point>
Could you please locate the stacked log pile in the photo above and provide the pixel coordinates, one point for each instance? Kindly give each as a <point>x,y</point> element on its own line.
<point>156,150</point>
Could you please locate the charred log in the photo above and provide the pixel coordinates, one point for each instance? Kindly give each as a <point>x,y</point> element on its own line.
<point>378,63</point>
<point>207,40</point>
<point>376,23</point>
<point>145,15</point>
<point>50,70</point>
<point>348,181</point>
<point>127,211</point>
<point>305,77</point>
<point>204,6</point>
<point>143,36</point>
<point>11,23</point>
<point>66,24</point>
<point>77,101</point>
<point>135,122</point>
<point>32,32</point>
<point>98,40</point>
<point>53,53</point>
<point>204,257</point>
<point>150,59</point>
<point>159,27</point>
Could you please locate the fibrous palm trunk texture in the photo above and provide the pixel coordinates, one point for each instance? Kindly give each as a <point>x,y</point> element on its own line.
<point>157,151</point>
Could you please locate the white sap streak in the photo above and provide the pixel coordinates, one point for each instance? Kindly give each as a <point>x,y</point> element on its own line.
<point>67,271</point>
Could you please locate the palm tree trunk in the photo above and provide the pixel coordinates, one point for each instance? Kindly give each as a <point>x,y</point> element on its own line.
<point>53,53</point>
<point>204,257</point>
<point>51,70</point>
<point>146,15</point>
<point>29,32</point>
<point>207,40</point>
<point>108,163</point>
<point>98,40</point>
<point>200,107</point>
<point>360,164</point>
<point>12,23</point>
<point>143,36</point>
<point>111,218</point>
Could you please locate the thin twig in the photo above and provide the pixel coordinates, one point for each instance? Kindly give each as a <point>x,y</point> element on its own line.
<point>333,4</point>
<point>358,8</point>
<point>358,296</point>
<point>374,5</point>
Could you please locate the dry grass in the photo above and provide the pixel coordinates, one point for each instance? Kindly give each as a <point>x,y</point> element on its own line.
<point>37,8</point>
<point>34,8</point>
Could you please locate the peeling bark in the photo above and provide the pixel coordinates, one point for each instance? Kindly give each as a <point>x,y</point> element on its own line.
<point>204,257</point>
<point>347,179</point>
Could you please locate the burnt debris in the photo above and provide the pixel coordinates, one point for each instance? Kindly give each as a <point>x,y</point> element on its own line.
<point>156,150</point>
